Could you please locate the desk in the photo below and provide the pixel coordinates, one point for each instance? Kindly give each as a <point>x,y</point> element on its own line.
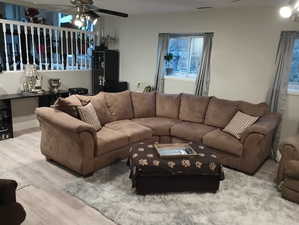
<point>45,99</point>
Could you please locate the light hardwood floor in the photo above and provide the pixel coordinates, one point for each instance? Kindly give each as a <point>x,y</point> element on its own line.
<point>41,184</point>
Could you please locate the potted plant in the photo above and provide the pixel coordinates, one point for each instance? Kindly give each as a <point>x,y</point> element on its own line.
<point>168,58</point>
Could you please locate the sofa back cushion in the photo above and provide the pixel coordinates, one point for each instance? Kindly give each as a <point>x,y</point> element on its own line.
<point>120,105</point>
<point>84,99</point>
<point>220,112</point>
<point>253,109</point>
<point>68,105</point>
<point>99,103</point>
<point>193,108</point>
<point>144,104</point>
<point>167,105</point>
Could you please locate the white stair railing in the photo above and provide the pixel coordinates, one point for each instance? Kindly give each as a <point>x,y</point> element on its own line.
<point>48,47</point>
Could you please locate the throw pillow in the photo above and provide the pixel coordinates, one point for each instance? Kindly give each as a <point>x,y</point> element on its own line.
<point>68,105</point>
<point>239,123</point>
<point>88,114</point>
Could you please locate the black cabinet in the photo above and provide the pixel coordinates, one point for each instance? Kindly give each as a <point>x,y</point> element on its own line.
<point>45,99</point>
<point>5,120</point>
<point>105,68</point>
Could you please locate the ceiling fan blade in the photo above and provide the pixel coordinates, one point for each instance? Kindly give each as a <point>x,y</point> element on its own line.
<point>93,14</point>
<point>109,12</point>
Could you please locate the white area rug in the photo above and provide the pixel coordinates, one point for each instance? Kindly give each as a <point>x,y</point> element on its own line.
<point>241,200</point>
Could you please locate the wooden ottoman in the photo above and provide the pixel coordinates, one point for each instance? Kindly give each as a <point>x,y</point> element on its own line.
<point>152,174</point>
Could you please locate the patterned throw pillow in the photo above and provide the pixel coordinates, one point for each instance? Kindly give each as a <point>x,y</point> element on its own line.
<point>239,123</point>
<point>88,114</point>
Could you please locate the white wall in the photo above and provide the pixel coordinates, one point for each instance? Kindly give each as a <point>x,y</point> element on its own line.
<point>23,109</point>
<point>244,47</point>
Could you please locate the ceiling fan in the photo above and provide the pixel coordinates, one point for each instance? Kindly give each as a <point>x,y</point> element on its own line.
<point>84,10</point>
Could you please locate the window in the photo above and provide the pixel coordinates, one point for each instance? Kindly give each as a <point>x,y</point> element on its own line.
<point>64,18</point>
<point>185,56</point>
<point>294,74</point>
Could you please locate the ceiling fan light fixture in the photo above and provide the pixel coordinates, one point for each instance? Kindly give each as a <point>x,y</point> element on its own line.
<point>285,12</point>
<point>78,22</point>
<point>94,22</point>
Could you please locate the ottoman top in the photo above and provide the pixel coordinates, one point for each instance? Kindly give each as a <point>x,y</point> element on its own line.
<point>145,161</point>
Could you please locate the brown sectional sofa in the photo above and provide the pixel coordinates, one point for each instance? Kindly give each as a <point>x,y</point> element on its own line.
<point>129,117</point>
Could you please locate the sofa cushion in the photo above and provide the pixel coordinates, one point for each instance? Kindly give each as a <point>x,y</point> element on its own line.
<point>220,112</point>
<point>134,131</point>
<point>84,99</point>
<point>109,140</point>
<point>253,109</point>
<point>160,126</point>
<point>193,108</point>
<point>167,105</point>
<point>289,190</point>
<point>68,105</point>
<point>292,169</point>
<point>88,114</point>
<point>292,184</point>
<point>99,103</point>
<point>120,105</point>
<point>144,104</point>
<point>224,142</point>
<point>239,123</point>
<point>190,131</point>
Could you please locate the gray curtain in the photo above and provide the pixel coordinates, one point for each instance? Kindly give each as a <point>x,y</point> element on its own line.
<point>203,78</point>
<point>160,72</point>
<point>279,90</point>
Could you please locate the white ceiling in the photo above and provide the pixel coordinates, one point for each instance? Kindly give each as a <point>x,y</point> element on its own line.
<point>164,6</point>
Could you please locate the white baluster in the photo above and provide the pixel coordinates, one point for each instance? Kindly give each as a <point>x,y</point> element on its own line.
<point>67,48</point>
<point>76,38</point>
<point>45,46</point>
<point>39,48</point>
<point>73,55</point>
<point>33,45</point>
<point>20,47</point>
<point>85,47</point>
<point>62,55</point>
<point>26,40</point>
<point>57,55</point>
<point>5,46</point>
<point>81,51</point>
<point>51,48</point>
<point>13,47</point>
<point>92,39</point>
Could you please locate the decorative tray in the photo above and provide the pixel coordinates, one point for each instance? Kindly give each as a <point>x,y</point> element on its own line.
<point>176,150</point>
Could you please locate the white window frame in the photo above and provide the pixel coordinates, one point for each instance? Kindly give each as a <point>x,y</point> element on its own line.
<point>186,75</point>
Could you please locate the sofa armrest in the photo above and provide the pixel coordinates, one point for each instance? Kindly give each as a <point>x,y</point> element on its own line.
<point>7,191</point>
<point>67,140</point>
<point>63,120</point>
<point>265,125</point>
<point>290,144</point>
